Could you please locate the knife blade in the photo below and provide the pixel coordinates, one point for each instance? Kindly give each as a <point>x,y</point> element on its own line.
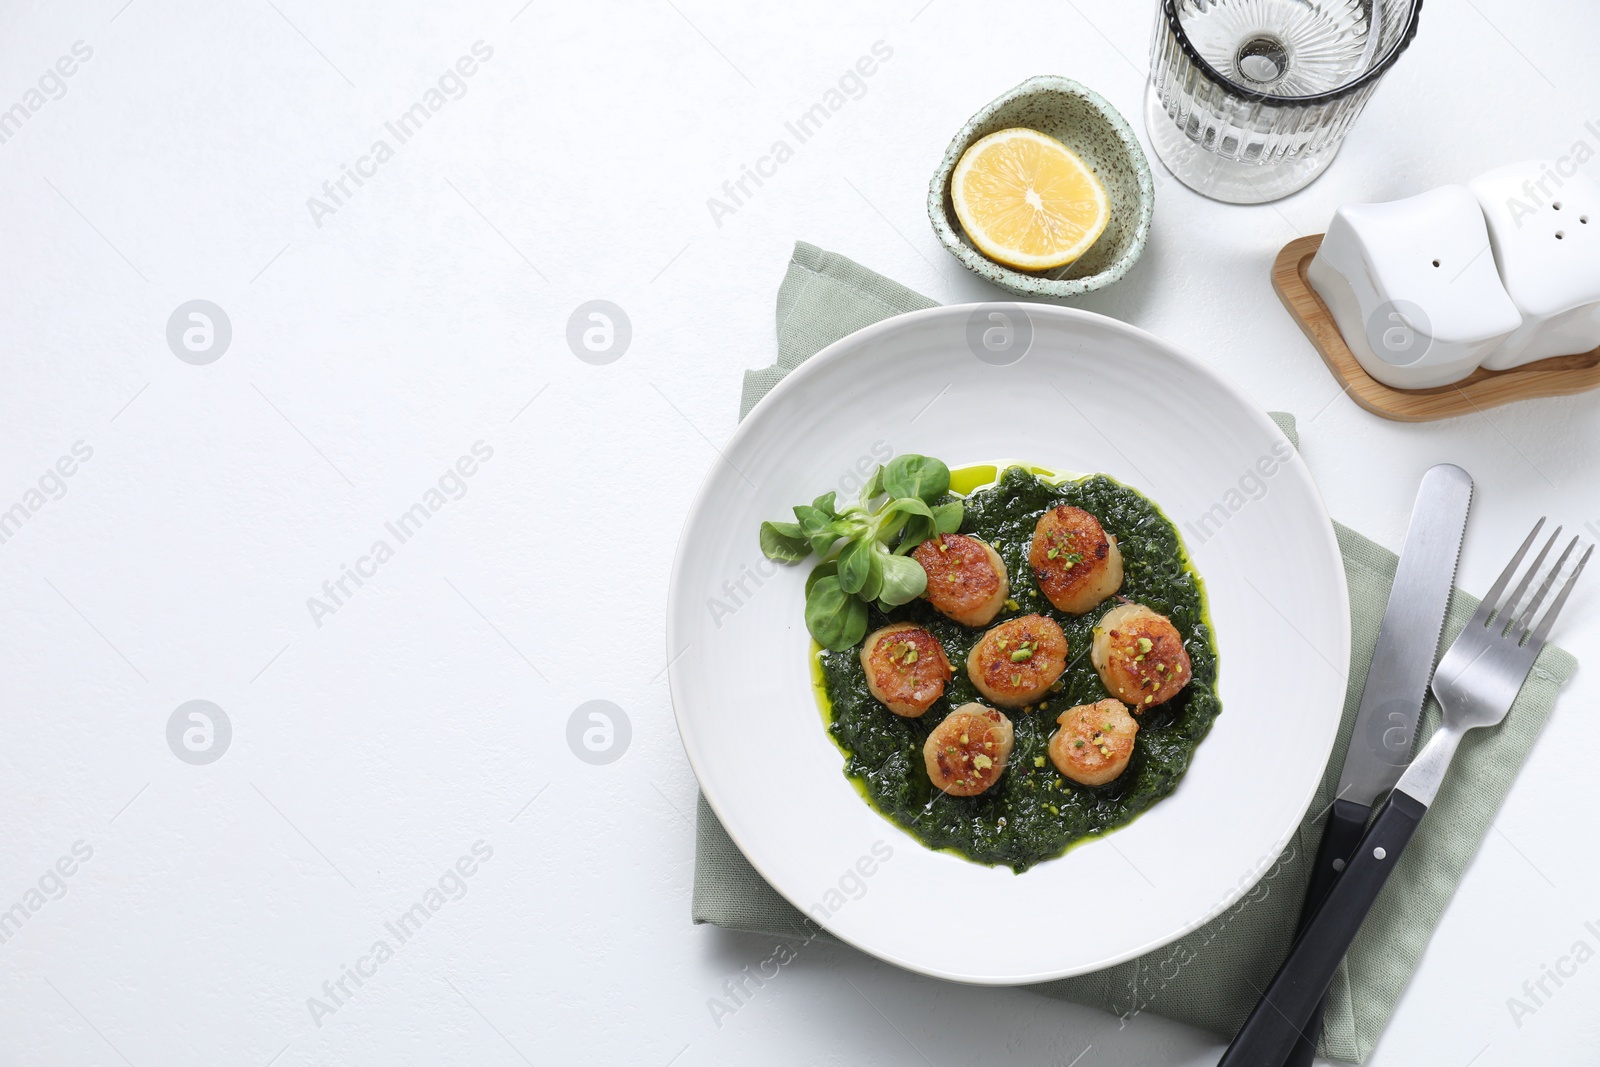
<point>1397,681</point>
<point>1408,640</point>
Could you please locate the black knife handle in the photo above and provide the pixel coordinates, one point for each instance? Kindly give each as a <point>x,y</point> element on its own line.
<point>1347,820</point>
<point>1272,1029</point>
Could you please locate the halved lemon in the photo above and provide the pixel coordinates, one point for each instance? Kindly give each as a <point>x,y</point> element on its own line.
<point>1026,200</point>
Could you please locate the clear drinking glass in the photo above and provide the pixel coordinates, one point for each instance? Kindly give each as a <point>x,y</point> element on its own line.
<point>1250,99</point>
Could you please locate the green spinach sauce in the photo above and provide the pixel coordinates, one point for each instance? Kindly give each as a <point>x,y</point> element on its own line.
<point>1033,813</point>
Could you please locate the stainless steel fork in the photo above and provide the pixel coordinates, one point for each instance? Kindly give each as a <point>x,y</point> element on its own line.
<point>1475,682</point>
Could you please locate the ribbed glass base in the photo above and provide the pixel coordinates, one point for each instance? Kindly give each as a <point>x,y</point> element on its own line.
<point>1211,175</point>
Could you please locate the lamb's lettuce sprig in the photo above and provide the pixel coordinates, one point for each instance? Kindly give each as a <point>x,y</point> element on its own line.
<point>864,546</point>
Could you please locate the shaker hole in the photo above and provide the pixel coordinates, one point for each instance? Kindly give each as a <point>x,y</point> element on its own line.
<point>1556,205</point>
<point>1560,234</point>
<point>1436,263</point>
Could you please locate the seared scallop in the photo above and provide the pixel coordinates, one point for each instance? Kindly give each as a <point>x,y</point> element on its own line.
<point>1140,656</point>
<point>966,578</point>
<point>1076,562</point>
<point>1018,661</point>
<point>967,752</point>
<point>1094,743</point>
<point>906,668</point>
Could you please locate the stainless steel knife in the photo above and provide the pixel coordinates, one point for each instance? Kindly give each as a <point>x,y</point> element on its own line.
<point>1391,701</point>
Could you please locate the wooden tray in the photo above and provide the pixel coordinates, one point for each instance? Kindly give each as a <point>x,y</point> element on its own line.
<point>1557,376</point>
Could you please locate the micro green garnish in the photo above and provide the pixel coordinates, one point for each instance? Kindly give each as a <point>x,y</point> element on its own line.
<point>863,546</point>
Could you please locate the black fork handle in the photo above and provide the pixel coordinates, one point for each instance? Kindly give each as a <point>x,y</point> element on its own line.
<point>1279,1020</point>
<point>1347,820</point>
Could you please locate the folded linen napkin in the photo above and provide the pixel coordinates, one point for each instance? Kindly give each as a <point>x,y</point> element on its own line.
<point>1209,978</point>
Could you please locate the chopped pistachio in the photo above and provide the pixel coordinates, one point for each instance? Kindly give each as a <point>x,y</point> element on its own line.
<point>982,762</point>
<point>1022,655</point>
<point>1038,761</point>
<point>1144,644</point>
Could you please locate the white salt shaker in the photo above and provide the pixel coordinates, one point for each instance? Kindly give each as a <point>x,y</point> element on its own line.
<point>1544,226</point>
<point>1412,288</point>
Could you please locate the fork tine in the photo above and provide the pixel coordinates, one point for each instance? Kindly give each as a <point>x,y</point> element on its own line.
<point>1505,614</point>
<point>1524,620</point>
<point>1561,598</point>
<point>1492,597</point>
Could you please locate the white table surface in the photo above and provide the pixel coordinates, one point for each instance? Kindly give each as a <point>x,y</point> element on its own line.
<point>428,312</point>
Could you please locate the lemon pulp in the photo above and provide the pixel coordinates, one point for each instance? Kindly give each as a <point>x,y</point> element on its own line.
<point>1027,200</point>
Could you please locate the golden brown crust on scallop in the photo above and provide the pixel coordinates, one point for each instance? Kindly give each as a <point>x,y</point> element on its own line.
<point>967,752</point>
<point>1140,656</point>
<point>1017,662</point>
<point>966,578</point>
<point>1075,561</point>
<point>1094,742</point>
<point>906,668</point>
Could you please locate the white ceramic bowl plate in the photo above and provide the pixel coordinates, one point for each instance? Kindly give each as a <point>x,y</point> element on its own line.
<point>1091,394</point>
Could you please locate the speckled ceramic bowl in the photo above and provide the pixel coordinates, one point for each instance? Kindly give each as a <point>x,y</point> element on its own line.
<point>1082,120</point>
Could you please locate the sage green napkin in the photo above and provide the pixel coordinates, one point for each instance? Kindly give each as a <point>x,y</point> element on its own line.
<point>1211,977</point>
